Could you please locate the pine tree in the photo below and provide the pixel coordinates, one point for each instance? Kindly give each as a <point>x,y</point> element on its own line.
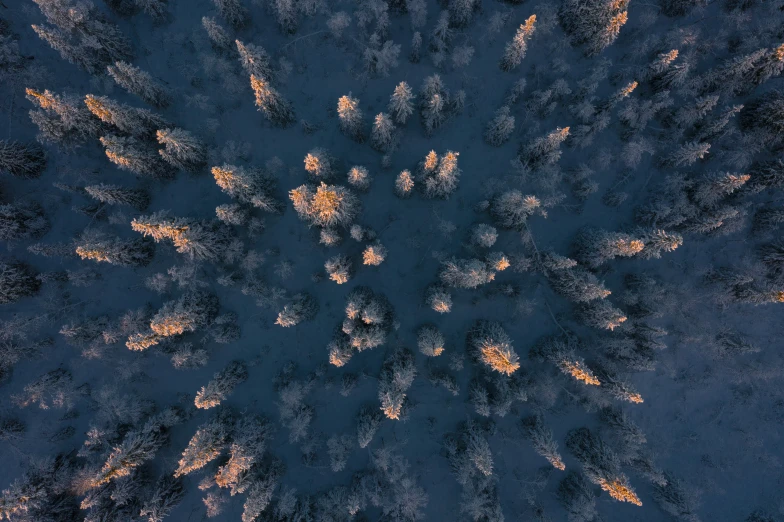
<point>140,83</point>
<point>233,12</point>
<point>339,268</point>
<point>689,153</point>
<point>303,307</point>
<point>430,341</point>
<point>416,48</point>
<point>62,120</point>
<point>401,103</point>
<point>255,60</point>
<point>397,375</point>
<point>594,23</point>
<point>116,195</point>
<point>17,280</point>
<point>379,59</point>
<point>384,136</point>
<point>368,422</point>
<point>221,385</point>
<point>359,178</point>
<point>157,9</point>
<point>130,154</point>
<point>502,126</point>
<point>512,209</point>
<point>374,255</point>
<point>465,273</point>
<point>350,116</point>
<point>115,251</point>
<point>320,165</point>
<point>577,497</point>
<point>515,50</point>
<point>167,494</point>
<point>219,37</point>
<point>542,439</point>
<point>439,299</point>
<point>545,150</point>
<point>492,346</point>
<point>131,120</point>
<point>204,241</point>
<point>595,247</point>
<point>286,11</point>
<point>404,184</point>
<point>22,221</point>
<point>441,181</point>
<point>23,160</point>
<point>181,149</point>
<point>205,446</point>
<point>325,205</point>
<point>275,108</point>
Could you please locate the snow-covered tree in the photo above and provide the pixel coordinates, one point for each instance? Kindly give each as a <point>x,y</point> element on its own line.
<point>182,149</point>
<point>493,347</point>
<point>117,195</point>
<point>205,446</point>
<point>131,120</point>
<point>465,273</point>
<point>374,255</point>
<point>17,280</point>
<point>140,83</point>
<point>255,60</point>
<point>270,102</point>
<point>114,250</point>
<point>218,35</point>
<point>515,50</point>
<point>440,181</point>
<point>339,268</point>
<point>439,299</point>
<point>384,136</point>
<point>233,12</point>
<point>166,495</point>
<point>22,221</point>
<point>404,184</point>
<point>498,131</point>
<point>325,205</point>
<point>221,385</point>
<point>129,153</point>
<point>397,375</point>
<point>541,438</point>
<point>62,119</point>
<point>595,247</point>
<point>303,307</point>
<point>359,178</point>
<point>350,116</point>
<point>247,185</point>
<point>368,422</point>
<point>430,340</point>
<point>401,103</point>
<point>594,23</point>
<point>23,160</point>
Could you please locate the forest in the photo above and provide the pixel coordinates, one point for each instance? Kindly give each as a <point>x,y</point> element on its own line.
<point>505,260</point>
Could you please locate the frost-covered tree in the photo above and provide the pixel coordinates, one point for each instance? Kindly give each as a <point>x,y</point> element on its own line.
<point>688,154</point>
<point>594,23</point>
<point>602,315</point>
<point>404,184</point>
<point>397,375</point>
<point>493,347</point>
<point>350,116</point>
<point>368,422</point>
<point>287,14</point>
<point>140,83</point>
<point>325,205</point>
<point>515,50</point>
<point>401,103</point>
<point>512,209</point>
<point>132,120</point>
<point>82,35</point>
<point>182,149</point>
<point>414,55</point>
<point>359,178</point>
<point>255,60</point>
<point>303,307</point>
<point>439,299</point>
<point>576,496</point>
<point>544,150</point>
<point>595,247</point>
<point>218,35</point>
<point>232,11</point>
<point>130,154</point>
<point>434,104</point>
<point>374,255</point>
<point>498,131</point>
<point>166,495</point>
<point>380,58</point>
<point>248,185</point>
<point>483,236</point>
<point>199,240</point>
<point>440,181</point>
<point>17,280</point>
<point>270,102</point>
<point>205,446</point>
<point>22,221</point>
<point>339,268</point>
<point>465,273</point>
<point>541,438</point>
<point>62,119</point>
<point>23,160</point>
<point>430,340</point>
<point>338,449</point>
<point>222,385</point>
<point>117,195</point>
<point>383,137</point>
<point>368,320</point>
<point>250,437</point>
<point>320,165</point>
<point>114,250</point>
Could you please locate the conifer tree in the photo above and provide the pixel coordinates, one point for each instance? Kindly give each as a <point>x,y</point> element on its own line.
<point>441,181</point>
<point>219,37</point>
<point>167,494</point>
<point>23,160</point>
<point>493,347</point>
<point>359,178</point>
<point>221,385</point>
<point>131,120</point>
<point>275,108</point>
<point>62,119</point>
<point>595,247</point>
<point>512,209</point>
<point>116,195</point>
<point>368,422</point>
<point>498,131</point>
<point>22,221</point>
<point>339,268</point>
<point>303,307</point>
<point>350,116</point>
<point>140,83</point>
<point>397,375</point>
<point>594,23</point>
<point>320,165</point>
<point>255,60</point>
<point>384,135</point>
<point>439,299</point>
<point>17,280</point>
<point>250,186</point>
<point>515,50</point>
<point>181,149</point>
<point>233,12</point>
<point>130,154</point>
<point>542,439</point>
<point>325,205</point>
<point>115,251</point>
<point>404,184</point>
<point>205,446</point>
<point>401,103</point>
